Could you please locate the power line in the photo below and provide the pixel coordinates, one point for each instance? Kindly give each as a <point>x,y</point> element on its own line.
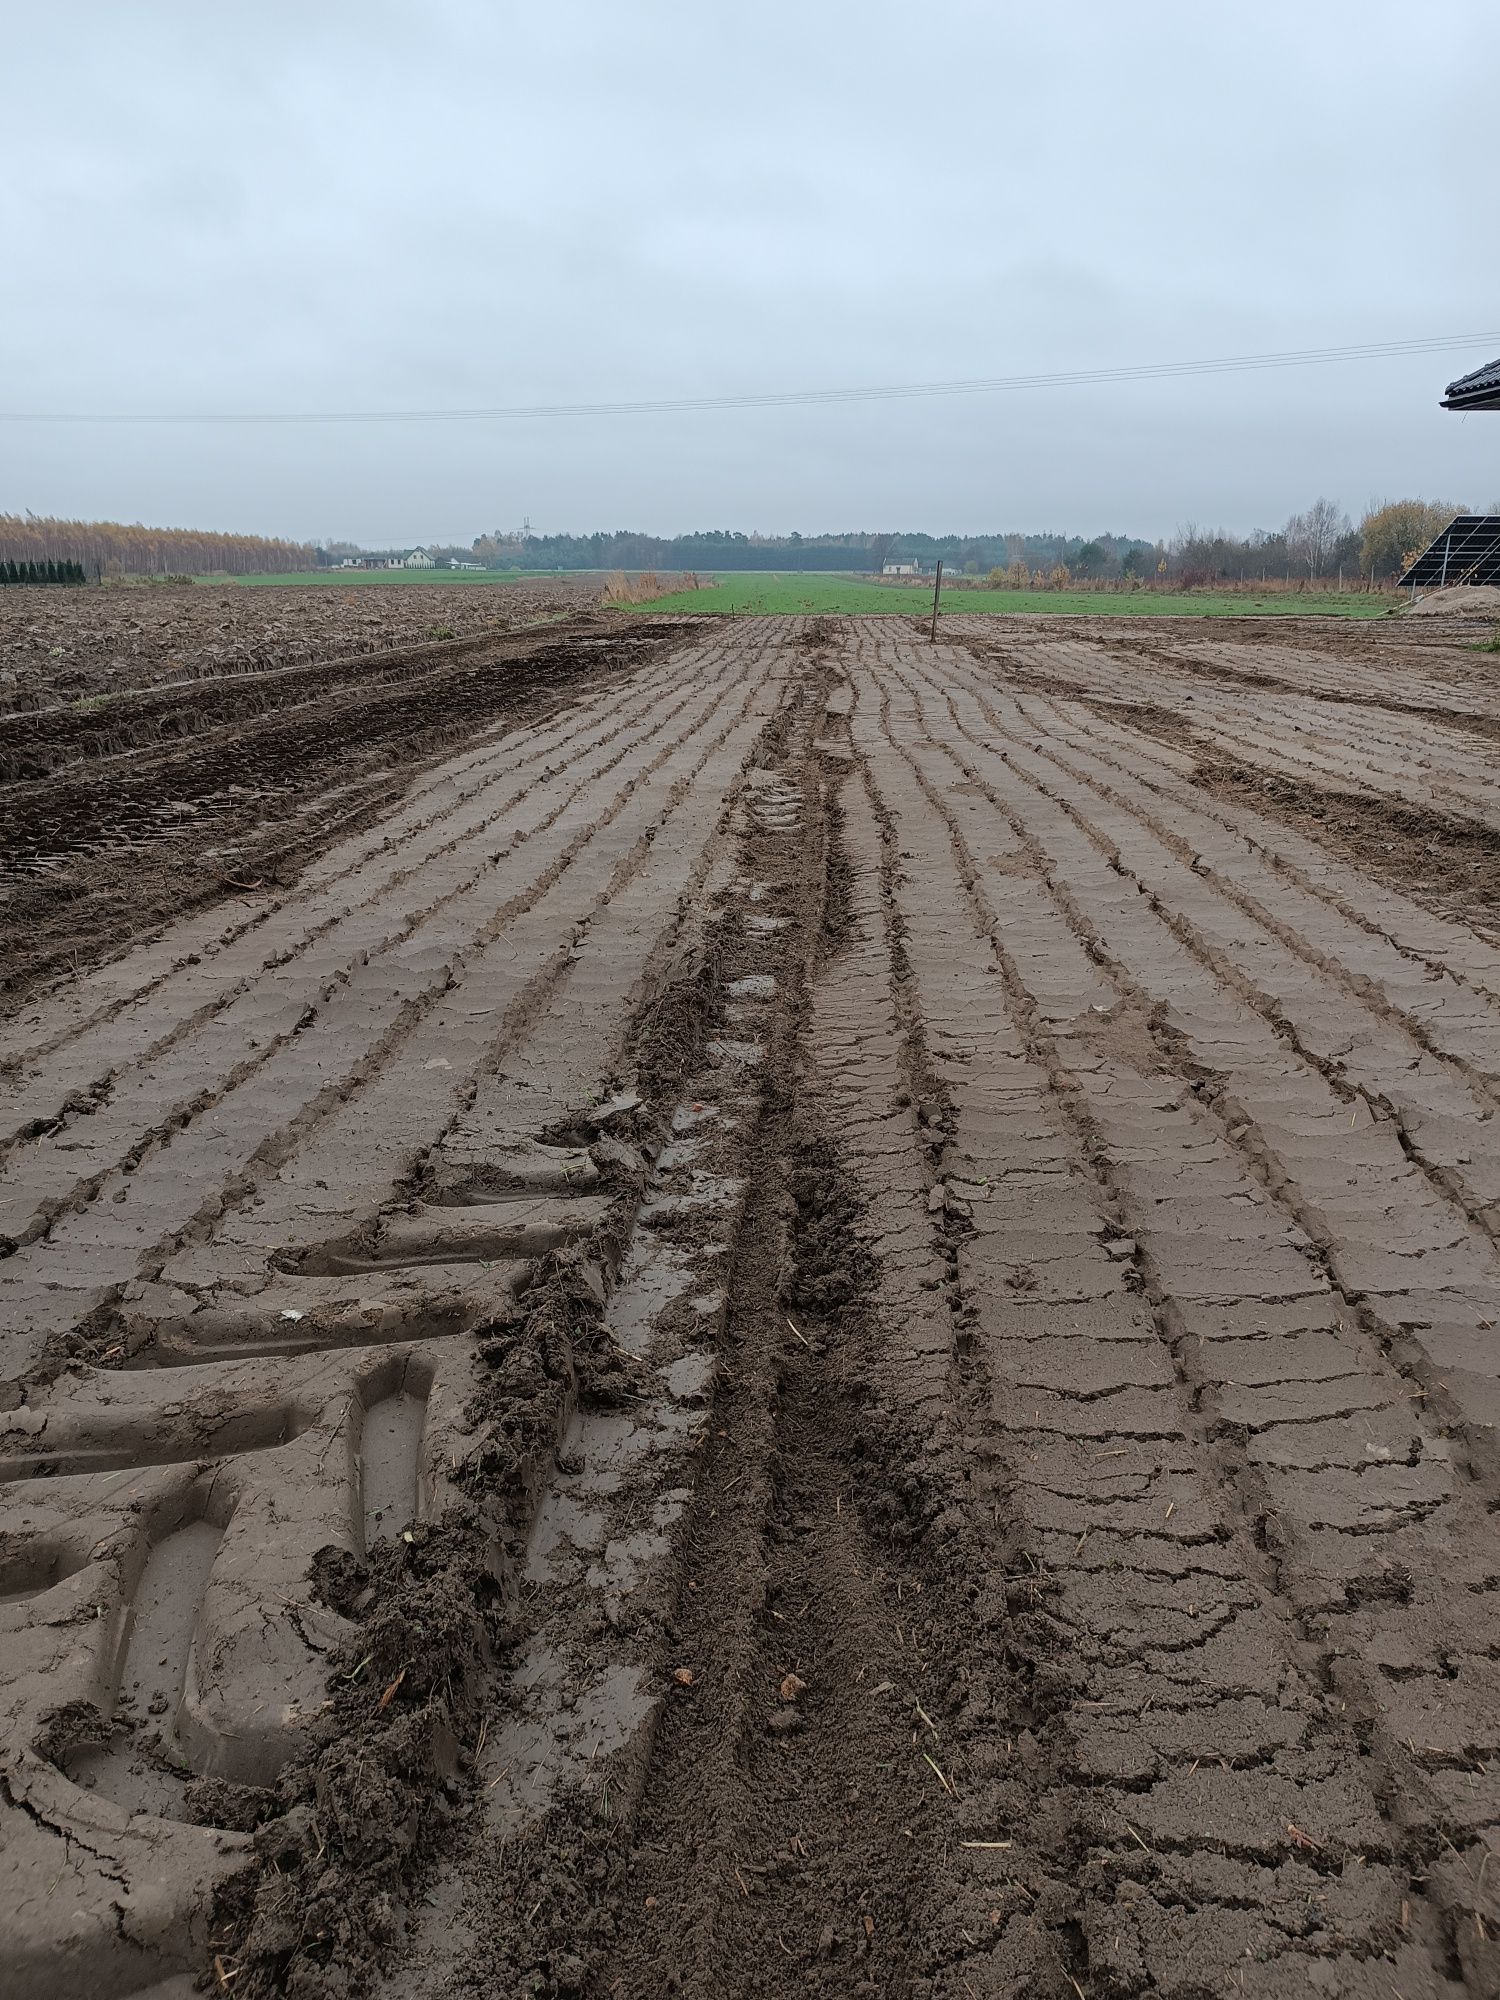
<point>1075,378</point>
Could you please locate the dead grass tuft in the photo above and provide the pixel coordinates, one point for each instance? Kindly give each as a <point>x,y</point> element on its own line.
<point>622,588</point>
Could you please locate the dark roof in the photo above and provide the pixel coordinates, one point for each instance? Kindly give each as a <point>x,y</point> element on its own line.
<point>1479,391</point>
<point>1467,551</point>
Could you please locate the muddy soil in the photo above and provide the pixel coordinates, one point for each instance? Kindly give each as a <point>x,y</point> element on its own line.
<point>1453,864</point>
<point>820,1317</point>
<point>60,647</point>
<point>115,817</point>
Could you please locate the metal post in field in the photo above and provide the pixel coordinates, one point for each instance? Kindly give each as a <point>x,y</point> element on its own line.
<point>937,591</point>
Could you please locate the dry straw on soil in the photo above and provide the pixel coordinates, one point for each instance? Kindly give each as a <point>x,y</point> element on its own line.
<point>642,587</point>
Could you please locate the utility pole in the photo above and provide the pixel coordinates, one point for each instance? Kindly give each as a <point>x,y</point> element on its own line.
<point>937,591</point>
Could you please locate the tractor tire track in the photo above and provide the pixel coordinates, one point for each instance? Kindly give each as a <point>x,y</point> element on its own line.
<point>812,1324</point>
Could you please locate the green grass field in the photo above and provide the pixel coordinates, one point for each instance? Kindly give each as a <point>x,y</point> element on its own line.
<point>763,595</point>
<point>355,578</point>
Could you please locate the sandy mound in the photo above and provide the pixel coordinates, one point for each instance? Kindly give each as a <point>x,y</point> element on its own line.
<point>1480,599</point>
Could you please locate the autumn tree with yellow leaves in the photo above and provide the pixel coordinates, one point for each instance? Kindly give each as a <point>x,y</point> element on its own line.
<point>117,548</point>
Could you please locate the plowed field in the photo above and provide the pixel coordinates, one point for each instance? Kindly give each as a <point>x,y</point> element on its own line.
<point>754,1307</point>
<point>90,646</point>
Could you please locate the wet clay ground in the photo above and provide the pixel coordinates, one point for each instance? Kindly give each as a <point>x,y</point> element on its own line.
<point>821,1318</point>
<point>61,646</point>
<point>115,814</point>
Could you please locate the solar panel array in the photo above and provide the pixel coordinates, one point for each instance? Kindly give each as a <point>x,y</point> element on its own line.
<point>1467,551</point>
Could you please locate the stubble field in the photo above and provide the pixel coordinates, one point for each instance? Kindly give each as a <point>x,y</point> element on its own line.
<point>747,1306</point>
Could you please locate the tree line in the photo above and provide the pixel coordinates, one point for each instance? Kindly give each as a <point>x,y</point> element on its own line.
<point>118,548</point>
<point>1319,543</point>
<point>13,573</point>
<point>854,549</point>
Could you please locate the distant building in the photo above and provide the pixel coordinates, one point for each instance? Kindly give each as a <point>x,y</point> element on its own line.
<point>902,569</point>
<point>395,559</point>
<point>1479,391</point>
<point>454,563</point>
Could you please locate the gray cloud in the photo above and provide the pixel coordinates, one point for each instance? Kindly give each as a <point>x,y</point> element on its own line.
<point>278,207</point>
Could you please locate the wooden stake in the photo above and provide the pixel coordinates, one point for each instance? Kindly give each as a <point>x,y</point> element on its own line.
<point>937,589</point>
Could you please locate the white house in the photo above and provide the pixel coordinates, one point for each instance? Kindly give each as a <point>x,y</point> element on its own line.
<point>902,569</point>
<point>419,559</point>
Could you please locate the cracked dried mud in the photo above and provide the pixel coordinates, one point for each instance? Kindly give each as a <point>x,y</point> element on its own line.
<point>749,1307</point>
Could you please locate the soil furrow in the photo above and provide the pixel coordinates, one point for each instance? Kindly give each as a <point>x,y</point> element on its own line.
<point>276,790</point>
<point>1358,956</point>
<point>1150,1447</point>
<point>1442,1119</point>
<point>386,1026</point>
<point>471,795</point>
<point>1334,894</point>
<point>1397,1246</point>
<point>247,1033</point>
<point>816,1319</point>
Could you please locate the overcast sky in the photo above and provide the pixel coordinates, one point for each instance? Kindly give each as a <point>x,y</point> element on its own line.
<point>284,206</point>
